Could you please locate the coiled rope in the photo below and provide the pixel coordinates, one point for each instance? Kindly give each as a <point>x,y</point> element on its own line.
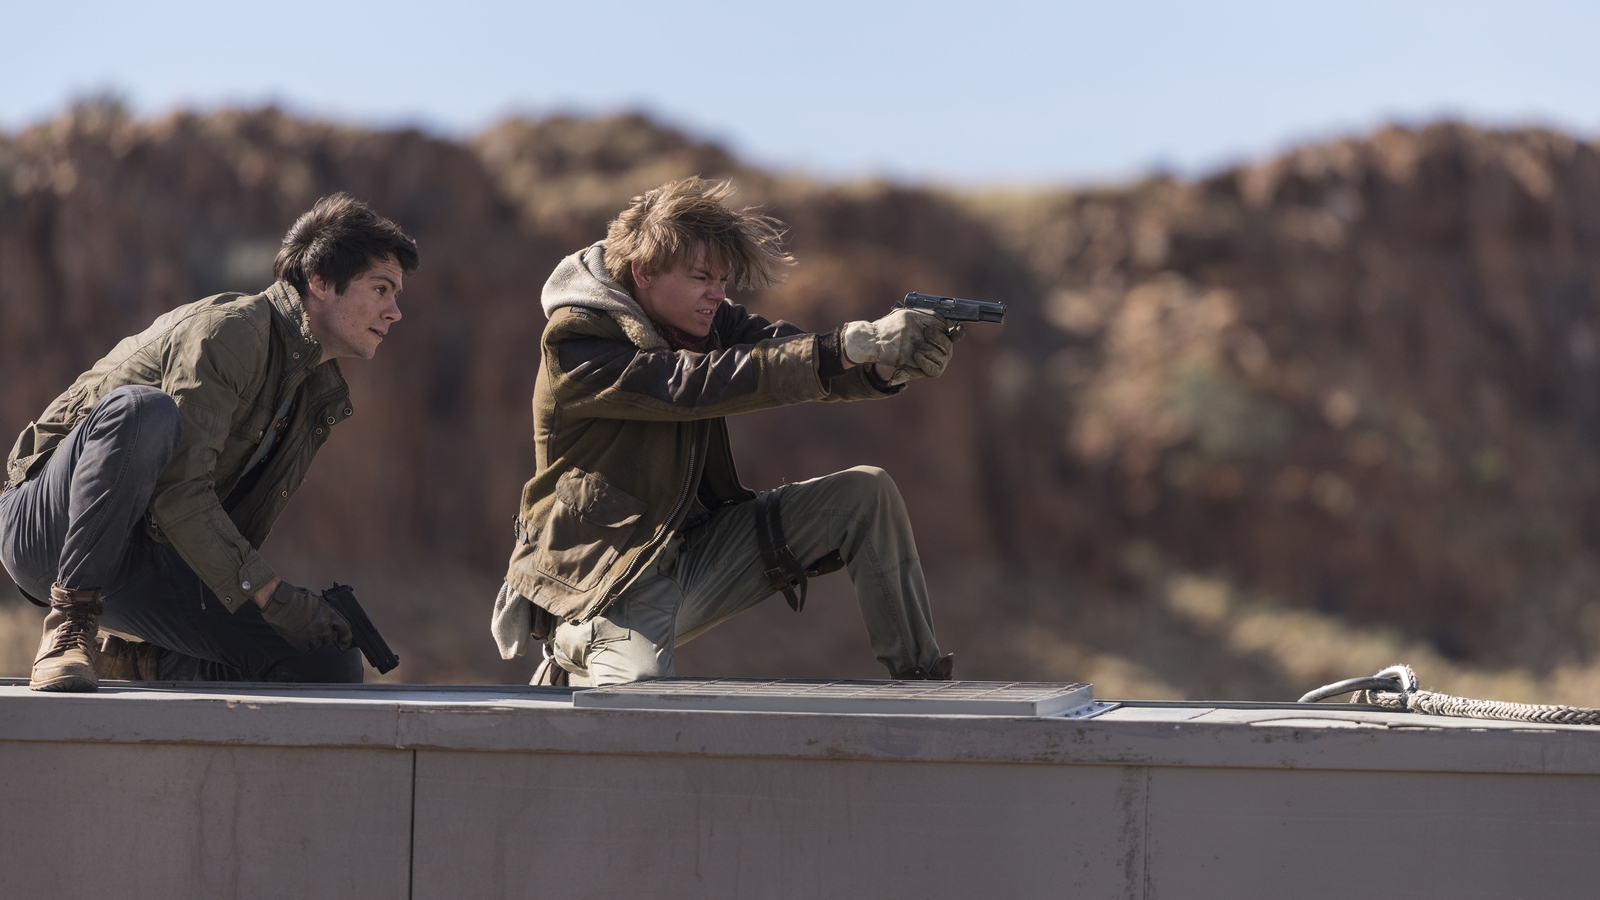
<point>1397,688</point>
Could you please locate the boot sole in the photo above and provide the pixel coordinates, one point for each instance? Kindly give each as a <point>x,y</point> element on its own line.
<point>66,684</point>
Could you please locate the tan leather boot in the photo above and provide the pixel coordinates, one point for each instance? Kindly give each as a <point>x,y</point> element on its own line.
<point>69,647</point>
<point>123,660</point>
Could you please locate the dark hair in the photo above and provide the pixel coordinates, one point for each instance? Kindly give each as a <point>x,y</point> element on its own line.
<point>337,240</point>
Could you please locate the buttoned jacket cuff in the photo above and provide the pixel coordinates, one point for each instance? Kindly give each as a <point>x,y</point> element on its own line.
<point>255,575</point>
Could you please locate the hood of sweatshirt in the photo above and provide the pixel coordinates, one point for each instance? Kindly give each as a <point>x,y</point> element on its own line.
<point>582,280</point>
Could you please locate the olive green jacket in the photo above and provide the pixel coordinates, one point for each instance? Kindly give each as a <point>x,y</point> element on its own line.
<point>628,431</point>
<point>231,362</point>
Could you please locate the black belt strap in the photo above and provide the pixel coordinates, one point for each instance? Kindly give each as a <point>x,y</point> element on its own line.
<point>783,570</point>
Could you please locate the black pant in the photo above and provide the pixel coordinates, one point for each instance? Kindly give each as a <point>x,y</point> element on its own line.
<point>77,523</point>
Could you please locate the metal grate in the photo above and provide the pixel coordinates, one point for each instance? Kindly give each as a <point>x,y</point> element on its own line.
<point>923,698</point>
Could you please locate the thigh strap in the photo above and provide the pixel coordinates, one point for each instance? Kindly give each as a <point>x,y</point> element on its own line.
<point>783,570</point>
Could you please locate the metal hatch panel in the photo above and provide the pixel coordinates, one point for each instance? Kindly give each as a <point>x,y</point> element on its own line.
<point>796,695</point>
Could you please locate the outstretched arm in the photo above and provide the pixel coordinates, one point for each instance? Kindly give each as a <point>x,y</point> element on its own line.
<point>597,377</point>
<point>747,327</point>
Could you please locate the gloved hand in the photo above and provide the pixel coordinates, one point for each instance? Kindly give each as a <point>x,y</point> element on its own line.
<point>911,341</point>
<point>933,369</point>
<point>304,619</point>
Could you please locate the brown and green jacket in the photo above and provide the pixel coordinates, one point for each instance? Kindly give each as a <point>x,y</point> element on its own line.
<point>232,362</point>
<point>629,433</point>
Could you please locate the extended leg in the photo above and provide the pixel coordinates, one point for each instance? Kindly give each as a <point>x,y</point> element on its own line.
<point>717,572</point>
<point>858,513</point>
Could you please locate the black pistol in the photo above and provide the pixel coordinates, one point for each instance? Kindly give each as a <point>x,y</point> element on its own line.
<point>954,309</point>
<point>342,598</point>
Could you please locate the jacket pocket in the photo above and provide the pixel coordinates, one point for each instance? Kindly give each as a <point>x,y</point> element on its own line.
<point>588,527</point>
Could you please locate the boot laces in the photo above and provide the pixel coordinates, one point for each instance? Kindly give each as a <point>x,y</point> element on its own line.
<point>82,620</point>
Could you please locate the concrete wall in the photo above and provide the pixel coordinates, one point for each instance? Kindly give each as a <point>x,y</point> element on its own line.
<point>389,793</point>
<point>176,820</point>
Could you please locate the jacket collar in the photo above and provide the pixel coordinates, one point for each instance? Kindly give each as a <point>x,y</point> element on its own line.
<point>293,321</point>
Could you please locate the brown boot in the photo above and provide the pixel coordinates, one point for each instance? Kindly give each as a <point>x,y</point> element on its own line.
<point>122,660</point>
<point>68,649</point>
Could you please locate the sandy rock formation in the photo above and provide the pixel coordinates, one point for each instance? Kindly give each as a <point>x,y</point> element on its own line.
<point>1360,377</point>
<point>1357,381</point>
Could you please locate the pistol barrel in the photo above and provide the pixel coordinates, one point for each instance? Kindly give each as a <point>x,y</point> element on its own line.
<point>956,309</point>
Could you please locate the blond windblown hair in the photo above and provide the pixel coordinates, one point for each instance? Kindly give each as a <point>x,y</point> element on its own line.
<point>665,226</point>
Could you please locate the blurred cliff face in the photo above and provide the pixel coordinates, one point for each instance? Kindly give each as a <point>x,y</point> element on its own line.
<point>1359,379</point>
<point>1361,376</point>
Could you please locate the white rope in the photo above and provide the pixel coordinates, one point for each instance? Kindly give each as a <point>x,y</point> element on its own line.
<point>1405,695</point>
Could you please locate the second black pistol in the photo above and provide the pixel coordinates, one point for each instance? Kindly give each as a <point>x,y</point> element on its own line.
<point>372,645</point>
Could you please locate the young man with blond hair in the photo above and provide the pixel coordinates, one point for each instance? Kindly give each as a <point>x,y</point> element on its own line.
<point>139,499</point>
<point>635,534</point>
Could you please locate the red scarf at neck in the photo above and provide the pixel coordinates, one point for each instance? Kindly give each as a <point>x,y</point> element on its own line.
<point>683,340</point>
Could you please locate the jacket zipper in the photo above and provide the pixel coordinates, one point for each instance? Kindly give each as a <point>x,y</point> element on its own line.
<point>666,532</point>
<point>299,448</point>
<point>277,404</point>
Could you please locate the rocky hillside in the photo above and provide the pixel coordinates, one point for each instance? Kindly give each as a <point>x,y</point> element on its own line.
<point>1237,433</point>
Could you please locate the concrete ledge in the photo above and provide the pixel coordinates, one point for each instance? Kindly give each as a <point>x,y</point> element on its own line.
<point>439,792</point>
<point>543,720</point>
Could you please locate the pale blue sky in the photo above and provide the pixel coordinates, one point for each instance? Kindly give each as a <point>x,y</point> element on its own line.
<point>978,92</point>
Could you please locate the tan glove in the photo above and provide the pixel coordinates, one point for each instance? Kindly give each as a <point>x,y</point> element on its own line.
<point>929,368</point>
<point>304,619</point>
<point>906,339</point>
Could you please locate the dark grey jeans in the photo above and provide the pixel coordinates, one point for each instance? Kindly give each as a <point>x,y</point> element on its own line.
<point>77,523</point>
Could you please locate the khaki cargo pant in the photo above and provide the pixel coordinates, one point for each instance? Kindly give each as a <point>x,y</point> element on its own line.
<point>714,571</point>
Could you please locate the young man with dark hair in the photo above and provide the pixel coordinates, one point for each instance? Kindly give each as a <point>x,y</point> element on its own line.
<point>635,534</point>
<point>139,498</point>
